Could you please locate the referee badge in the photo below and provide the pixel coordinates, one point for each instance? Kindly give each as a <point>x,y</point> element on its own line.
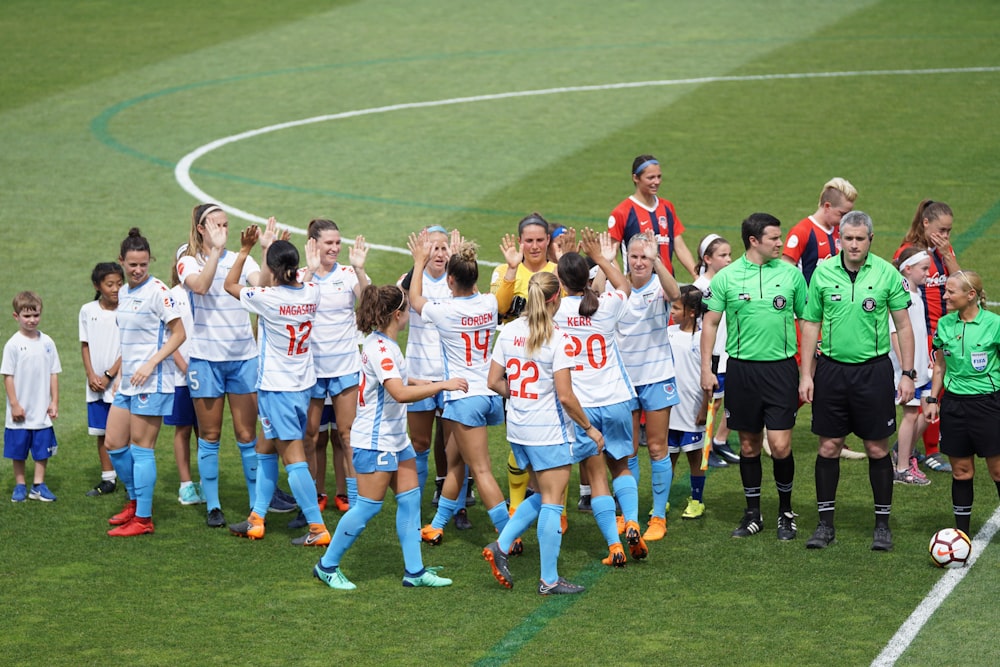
<point>780,302</point>
<point>868,305</point>
<point>979,360</point>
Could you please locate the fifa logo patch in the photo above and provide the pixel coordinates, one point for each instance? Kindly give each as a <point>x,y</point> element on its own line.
<point>979,360</point>
<point>868,305</point>
<point>779,302</point>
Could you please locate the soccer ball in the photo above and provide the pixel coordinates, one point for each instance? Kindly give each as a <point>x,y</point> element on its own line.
<point>950,547</point>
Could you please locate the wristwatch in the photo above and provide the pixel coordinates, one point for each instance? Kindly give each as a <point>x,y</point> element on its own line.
<point>912,374</point>
<point>930,399</point>
<point>109,375</point>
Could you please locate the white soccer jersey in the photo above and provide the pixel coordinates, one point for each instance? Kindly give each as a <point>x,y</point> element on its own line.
<point>599,377</point>
<point>921,355</point>
<point>466,326</point>
<point>423,345</point>
<point>285,315</point>
<point>687,364</point>
<point>222,330</point>
<point>534,414</point>
<point>182,303</point>
<point>99,330</point>
<point>335,332</point>
<point>143,314</point>
<point>380,422</point>
<point>642,335</point>
<point>32,362</point>
<point>719,350</point>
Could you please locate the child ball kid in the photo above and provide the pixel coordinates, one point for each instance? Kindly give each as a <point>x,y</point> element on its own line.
<point>30,370</point>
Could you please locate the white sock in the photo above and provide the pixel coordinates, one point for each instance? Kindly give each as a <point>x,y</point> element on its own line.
<point>584,489</point>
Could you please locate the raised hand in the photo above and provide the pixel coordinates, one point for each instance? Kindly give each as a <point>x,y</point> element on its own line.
<point>358,253</point>
<point>511,250</point>
<point>249,237</point>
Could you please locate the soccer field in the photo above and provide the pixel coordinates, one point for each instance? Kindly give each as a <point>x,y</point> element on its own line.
<point>387,116</point>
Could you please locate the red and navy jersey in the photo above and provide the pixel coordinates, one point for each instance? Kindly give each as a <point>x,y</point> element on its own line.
<point>932,291</point>
<point>808,244</point>
<point>631,217</point>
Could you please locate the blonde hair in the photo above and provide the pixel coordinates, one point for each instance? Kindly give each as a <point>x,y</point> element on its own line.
<point>836,189</point>
<point>27,300</point>
<point>974,282</point>
<point>199,214</point>
<point>542,288</point>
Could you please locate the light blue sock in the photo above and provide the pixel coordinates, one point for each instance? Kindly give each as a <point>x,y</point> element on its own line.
<point>422,469</point>
<point>304,489</point>
<point>663,475</point>
<point>446,509</point>
<point>121,460</point>
<point>144,479</point>
<point>408,529</point>
<point>352,490</point>
<point>208,468</point>
<point>499,516</point>
<point>627,494</point>
<point>267,481</point>
<point>350,526</point>
<point>549,541</point>
<point>633,467</point>
<point>525,515</point>
<point>249,458</point>
<point>604,515</point>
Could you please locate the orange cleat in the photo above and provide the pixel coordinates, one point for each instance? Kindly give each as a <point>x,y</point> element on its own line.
<point>126,515</point>
<point>656,529</point>
<point>321,500</point>
<point>431,535</point>
<point>616,556</point>
<point>620,524</point>
<point>636,545</point>
<point>137,526</point>
<point>318,536</point>
<point>341,502</point>
<point>252,528</point>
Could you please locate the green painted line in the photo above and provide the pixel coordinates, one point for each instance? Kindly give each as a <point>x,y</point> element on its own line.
<point>980,227</point>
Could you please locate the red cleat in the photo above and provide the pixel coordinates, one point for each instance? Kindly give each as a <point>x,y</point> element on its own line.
<point>137,526</point>
<point>124,516</point>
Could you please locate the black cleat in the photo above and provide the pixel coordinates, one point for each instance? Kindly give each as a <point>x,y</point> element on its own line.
<point>824,536</point>
<point>751,524</point>
<point>787,530</point>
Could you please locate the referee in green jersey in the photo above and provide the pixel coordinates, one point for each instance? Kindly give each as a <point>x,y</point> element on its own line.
<point>967,365</point>
<point>761,296</point>
<point>850,302</point>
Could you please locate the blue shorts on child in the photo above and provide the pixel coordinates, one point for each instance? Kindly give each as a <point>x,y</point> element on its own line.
<point>18,442</point>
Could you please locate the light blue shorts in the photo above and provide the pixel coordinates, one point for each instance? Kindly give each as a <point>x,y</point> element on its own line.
<point>212,379</point>
<point>684,441</point>
<point>615,424</point>
<point>542,457</point>
<point>367,461</point>
<point>283,413</point>
<point>656,396</point>
<point>333,386</point>
<point>97,417</point>
<point>435,403</point>
<point>18,442</point>
<point>146,405</point>
<point>475,411</point>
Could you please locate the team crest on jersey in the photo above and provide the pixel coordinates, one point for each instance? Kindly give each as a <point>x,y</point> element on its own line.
<point>744,296</point>
<point>143,399</point>
<point>669,388</point>
<point>979,360</point>
<point>136,305</point>
<point>779,302</point>
<point>387,364</point>
<point>265,422</point>
<point>868,305</point>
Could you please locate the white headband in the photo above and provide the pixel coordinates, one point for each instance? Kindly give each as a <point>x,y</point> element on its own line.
<point>707,241</point>
<point>914,259</point>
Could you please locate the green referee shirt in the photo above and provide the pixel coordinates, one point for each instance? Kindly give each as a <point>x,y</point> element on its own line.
<point>761,303</point>
<point>972,362</point>
<point>854,314</point>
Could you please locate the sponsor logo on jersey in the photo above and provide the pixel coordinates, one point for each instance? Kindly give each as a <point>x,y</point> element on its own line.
<point>387,364</point>
<point>868,305</point>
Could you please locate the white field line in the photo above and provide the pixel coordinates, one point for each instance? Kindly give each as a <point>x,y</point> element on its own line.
<point>182,172</point>
<point>946,584</point>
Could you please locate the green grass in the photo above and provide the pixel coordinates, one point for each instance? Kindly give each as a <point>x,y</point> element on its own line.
<point>102,99</point>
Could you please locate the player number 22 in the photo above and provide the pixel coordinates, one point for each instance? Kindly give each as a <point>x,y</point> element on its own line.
<point>520,374</point>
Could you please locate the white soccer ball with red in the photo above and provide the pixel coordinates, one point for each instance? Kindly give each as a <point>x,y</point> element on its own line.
<point>950,547</point>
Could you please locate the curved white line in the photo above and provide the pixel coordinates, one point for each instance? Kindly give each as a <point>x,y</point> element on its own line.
<point>182,172</point>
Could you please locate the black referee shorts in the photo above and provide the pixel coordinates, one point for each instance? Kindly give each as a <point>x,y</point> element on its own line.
<point>854,398</point>
<point>761,393</point>
<point>970,425</point>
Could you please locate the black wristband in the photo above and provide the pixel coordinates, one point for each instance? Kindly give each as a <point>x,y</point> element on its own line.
<point>109,375</point>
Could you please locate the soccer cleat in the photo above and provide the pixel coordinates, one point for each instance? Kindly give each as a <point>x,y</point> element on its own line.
<point>751,524</point>
<point>852,455</point>
<point>321,500</point>
<point>787,530</point>
<point>137,526</point>
<point>561,587</point>
<point>620,524</point>
<point>498,563</point>
<point>937,463</point>
<point>105,487</point>
<point>824,536</point>
<point>189,495</point>
<point>341,502</point>
<point>470,495</point>
<point>126,515</point>
<point>882,539</point>
<point>318,536</point>
<point>725,452</point>
<point>636,545</point>
<point>438,483</point>
<point>584,504</point>
<point>428,578</point>
<point>20,494</point>
<point>616,556</point>
<point>462,520</point>
<point>334,579</point>
<point>215,518</point>
<point>715,461</point>
<point>252,528</point>
<point>42,493</point>
<point>908,476</point>
<point>282,502</point>
<point>298,522</point>
<point>694,510</point>
<point>431,535</point>
<point>656,529</point>
<point>516,548</point>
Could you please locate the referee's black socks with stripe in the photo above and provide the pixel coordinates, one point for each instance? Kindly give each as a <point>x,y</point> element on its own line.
<point>827,480</point>
<point>784,475</point>
<point>880,474</point>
